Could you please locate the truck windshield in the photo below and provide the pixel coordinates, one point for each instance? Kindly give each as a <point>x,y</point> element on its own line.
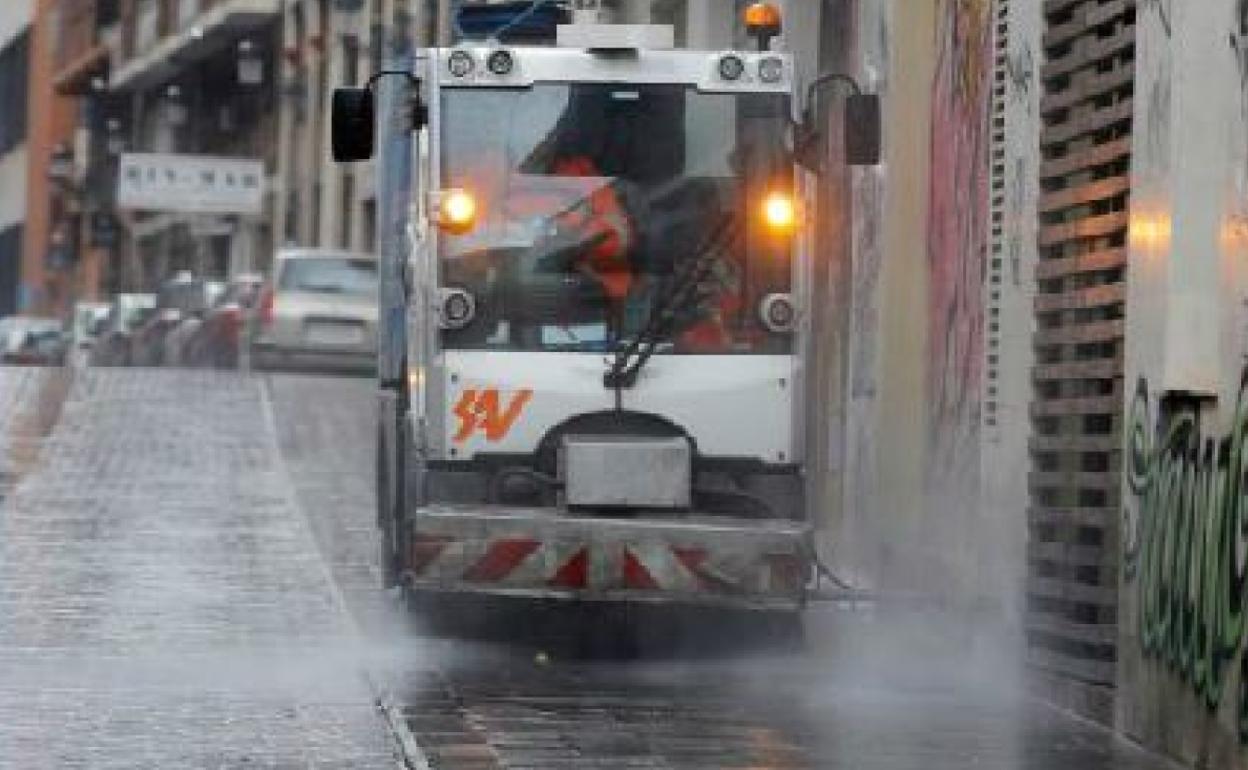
<point>594,200</point>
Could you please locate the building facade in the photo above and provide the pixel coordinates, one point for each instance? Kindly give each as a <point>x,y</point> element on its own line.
<point>82,229</point>
<point>195,78</point>
<point>14,78</point>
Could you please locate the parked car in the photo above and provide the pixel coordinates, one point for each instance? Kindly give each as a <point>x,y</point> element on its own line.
<point>320,312</point>
<point>179,299</point>
<point>126,314</point>
<point>85,326</point>
<point>31,341</point>
<point>194,309</point>
<point>219,340</point>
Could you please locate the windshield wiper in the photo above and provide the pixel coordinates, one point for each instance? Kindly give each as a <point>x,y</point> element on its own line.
<point>682,291</point>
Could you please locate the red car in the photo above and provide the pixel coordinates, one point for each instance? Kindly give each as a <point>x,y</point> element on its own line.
<point>177,300</point>
<point>220,338</point>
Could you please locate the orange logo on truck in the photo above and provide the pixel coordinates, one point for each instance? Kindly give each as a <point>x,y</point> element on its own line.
<point>482,411</point>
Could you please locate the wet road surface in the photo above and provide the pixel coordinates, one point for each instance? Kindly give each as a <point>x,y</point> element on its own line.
<point>163,602</point>
<point>187,575</point>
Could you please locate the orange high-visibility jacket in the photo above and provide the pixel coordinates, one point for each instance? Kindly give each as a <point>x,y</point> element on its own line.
<point>605,217</point>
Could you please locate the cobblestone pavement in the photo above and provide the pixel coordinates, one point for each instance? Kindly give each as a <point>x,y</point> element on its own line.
<point>875,689</point>
<point>176,559</point>
<point>162,601</point>
<point>30,401</point>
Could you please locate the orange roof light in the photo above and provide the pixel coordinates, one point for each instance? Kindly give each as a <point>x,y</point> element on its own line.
<point>762,21</point>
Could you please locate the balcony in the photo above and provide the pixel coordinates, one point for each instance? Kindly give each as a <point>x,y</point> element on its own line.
<point>84,29</point>
<point>163,37</point>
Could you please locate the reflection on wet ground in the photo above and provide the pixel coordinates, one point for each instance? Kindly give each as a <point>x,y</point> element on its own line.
<point>163,603</point>
<point>187,579</point>
<point>30,405</point>
<point>539,688</point>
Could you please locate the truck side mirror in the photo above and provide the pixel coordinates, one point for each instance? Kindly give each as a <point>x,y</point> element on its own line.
<point>863,130</point>
<point>352,124</point>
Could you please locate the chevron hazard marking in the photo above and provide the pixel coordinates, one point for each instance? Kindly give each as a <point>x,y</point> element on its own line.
<point>426,549</point>
<point>574,573</point>
<point>636,575</point>
<point>500,559</point>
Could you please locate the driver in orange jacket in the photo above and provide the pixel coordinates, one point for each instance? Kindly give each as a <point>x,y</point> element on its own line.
<point>602,221</point>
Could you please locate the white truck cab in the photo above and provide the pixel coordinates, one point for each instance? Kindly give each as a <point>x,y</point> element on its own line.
<point>593,320</point>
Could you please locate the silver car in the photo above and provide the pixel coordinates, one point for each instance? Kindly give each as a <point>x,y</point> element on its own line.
<point>319,313</point>
<point>31,341</point>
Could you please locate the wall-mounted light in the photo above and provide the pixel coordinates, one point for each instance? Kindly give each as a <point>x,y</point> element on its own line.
<point>175,108</point>
<point>114,139</point>
<point>250,64</point>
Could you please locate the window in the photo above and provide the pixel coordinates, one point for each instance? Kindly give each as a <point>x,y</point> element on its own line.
<point>13,76</point>
<point>10,268</point>
<point>677,177</point>
<point>329,275</point>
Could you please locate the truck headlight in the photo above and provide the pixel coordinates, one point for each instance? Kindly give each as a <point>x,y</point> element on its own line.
<point>780,212</point>
<point>456,308</point>
<point>501,62</point>
<point>461,64</point>
<point>778,313</point>
<point>731,67</point>
<point>457,211</point>
<point>771,69</point>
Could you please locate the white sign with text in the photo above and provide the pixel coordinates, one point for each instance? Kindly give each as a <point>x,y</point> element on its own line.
<point>195,184</point>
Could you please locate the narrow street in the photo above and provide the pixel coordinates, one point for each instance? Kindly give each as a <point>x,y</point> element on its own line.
<point>187,579</point>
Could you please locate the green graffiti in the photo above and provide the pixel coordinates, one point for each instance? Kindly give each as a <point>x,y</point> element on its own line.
<point>1185,539</point>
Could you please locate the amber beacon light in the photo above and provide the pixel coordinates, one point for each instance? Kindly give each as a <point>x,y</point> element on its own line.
<point>763,22</point>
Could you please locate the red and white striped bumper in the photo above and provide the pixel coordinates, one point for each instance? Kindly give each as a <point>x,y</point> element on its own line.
<point>545,553</point>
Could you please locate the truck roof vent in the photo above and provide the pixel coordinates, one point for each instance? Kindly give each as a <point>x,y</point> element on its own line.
<point>616,37</point>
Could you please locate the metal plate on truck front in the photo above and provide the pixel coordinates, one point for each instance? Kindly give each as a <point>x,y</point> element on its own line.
<point>626,471</point>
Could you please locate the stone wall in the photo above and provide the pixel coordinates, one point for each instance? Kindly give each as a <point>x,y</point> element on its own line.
<point>1181,674</point>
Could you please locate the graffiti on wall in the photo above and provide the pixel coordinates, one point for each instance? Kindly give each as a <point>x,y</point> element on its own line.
<point>1238,37</point>
<point>1020,66</point>
<point>1185,542</point>
<point>1155,83</point>
<point>958,232</point>
<point>1165,12</point>
<point>1239,40</point>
